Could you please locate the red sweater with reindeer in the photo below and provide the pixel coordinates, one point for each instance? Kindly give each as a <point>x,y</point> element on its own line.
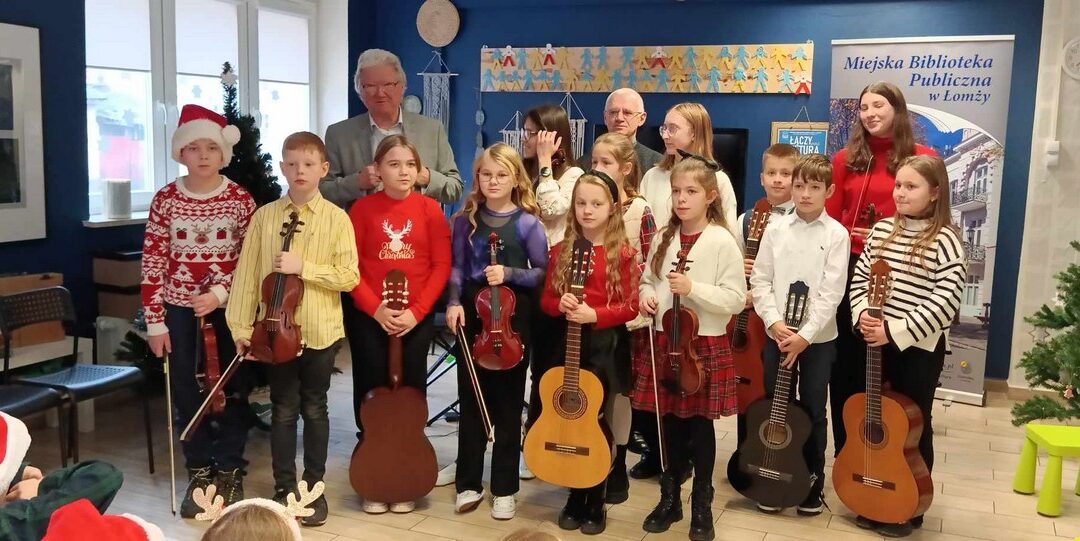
<point>191,246</point>
<point>411,235</point>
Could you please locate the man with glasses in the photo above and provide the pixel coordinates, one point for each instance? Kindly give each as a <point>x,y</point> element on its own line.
<point>350,149</point>
<point>351,144</point>
<point>624,112</point>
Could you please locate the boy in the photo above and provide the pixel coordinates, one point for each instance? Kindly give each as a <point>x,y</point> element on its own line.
<point>193,237</point>
<point>806,246</point>
<point>323,255</point>
<point>28,497</point>
<point>777,165</point>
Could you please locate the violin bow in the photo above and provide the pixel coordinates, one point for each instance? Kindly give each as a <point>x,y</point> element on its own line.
<point>474,378</point>
<point>172,436</point>
<point>656,400</point>
<point>225,377</point>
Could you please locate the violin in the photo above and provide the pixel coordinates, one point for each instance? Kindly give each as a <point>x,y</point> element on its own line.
<point>208,367</point>
<point>276,338</point>
<point>498,347</point>
<point>683,373</point>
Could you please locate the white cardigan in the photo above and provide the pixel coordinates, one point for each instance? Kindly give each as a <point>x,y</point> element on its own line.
<point>656,188</point>
<point>553,197</point>
<point>718,285</point>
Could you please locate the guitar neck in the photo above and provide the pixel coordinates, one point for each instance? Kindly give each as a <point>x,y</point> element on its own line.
<point>781,396</point>
<point>572,369</point>
<point>873,377</point>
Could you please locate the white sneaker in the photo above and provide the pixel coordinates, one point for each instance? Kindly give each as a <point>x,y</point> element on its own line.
<point>768,509</point>
<point>524,472</point>
<point>402,507</point>
<point>503,508</point>
<point>467,501</point>
<point>375,508</point>
<point>447,475</point>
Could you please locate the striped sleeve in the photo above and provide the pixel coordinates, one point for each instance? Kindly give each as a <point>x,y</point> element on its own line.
<point>244,296</point>
<point>939,300</point>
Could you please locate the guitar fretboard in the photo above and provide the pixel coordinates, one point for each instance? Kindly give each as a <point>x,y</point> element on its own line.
<point>572,368</point>
<point>873,376</point>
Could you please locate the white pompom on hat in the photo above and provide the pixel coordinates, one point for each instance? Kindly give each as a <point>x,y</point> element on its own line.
<point>80,520</point>
<point>14,443</point>
<point>197,122</point>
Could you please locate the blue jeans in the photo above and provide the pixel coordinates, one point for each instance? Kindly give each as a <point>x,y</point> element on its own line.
<point>811,377</point>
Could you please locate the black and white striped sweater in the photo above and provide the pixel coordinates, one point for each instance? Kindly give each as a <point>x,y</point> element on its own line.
<point>923,300</point>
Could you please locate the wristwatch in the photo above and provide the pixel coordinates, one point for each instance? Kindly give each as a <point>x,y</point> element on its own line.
<point>545,172</point>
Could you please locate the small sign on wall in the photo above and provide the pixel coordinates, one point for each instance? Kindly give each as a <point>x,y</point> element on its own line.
<point>808,137</point>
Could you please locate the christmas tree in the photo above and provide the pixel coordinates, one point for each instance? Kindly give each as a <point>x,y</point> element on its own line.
<point>1055,363</point>
<point>250,167</point>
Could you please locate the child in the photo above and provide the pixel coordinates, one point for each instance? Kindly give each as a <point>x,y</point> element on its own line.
<point>610,300</point>
<point>811,247</point>
<point>193,237</point>
<point>501,202</point>
<point>323,255</point>
<point>929,268</point>
<point>398,228</point>
<point>686,127</point>
<point>549,159</point>
<point>777,166</point>
<point>80,520</point>
<point>714,287</point>
<point>28,497</point>
<point>258,519</point>
<point>614,155</point>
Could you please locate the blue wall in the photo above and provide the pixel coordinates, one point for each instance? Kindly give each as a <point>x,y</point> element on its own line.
<point>642,22</point>
<point>63,82</point>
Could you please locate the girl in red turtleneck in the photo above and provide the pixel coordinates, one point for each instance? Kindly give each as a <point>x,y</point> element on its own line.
<point>864,173</point>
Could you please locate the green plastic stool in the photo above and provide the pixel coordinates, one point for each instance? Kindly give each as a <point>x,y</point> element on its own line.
<point>1059,442</point>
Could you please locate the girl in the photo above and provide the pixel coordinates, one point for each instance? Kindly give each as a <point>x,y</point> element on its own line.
<point>610,300</point>
<point>614,155</point>
<point>929,268</point>
<point>864,173</point>
<point>715,288</point>
<point>549,160</point>
<point>398,228</point>
<point>501,202</point>
<point>686,127</point>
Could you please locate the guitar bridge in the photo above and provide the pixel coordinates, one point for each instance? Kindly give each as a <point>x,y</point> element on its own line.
<point>871,482</point>
<point>566,449</point>
<point>769,473</point>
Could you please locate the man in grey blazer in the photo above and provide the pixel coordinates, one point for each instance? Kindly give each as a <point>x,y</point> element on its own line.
<point>624,112</point>
<point>351,143</point>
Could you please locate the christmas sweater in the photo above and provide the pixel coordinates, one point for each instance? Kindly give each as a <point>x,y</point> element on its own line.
<point>410,235</point>
<point>191,246</point>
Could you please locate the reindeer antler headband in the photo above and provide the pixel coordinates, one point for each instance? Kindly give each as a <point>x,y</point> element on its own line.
<point>297,508</point>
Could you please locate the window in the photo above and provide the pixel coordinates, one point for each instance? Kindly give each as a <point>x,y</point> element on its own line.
<point>170,53</point>
<point>978,178</point>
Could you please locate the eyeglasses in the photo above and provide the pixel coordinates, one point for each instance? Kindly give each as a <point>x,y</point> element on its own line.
<point>487,176</point>
<point>670,130</point>
<point>616,113</point>
<point>708,163</point>
<point>529,134</point>
<point>385,87</point>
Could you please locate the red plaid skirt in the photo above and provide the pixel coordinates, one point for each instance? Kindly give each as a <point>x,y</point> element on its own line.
<point>717,395</point>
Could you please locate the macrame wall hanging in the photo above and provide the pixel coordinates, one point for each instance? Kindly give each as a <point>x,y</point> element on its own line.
<point>511,132</point>
<point>437,90</point>
<point>577,125</point>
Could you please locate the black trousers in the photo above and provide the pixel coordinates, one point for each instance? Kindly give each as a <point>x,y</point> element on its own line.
<point>219,440</point>
<point>351,315</point>
<point>298,388</point>
<point>503,391</point>
<point>548,351</point>
<point>914,373</point>
<point>690,439</point>
<point>371,358</point>
<point>849,372</point>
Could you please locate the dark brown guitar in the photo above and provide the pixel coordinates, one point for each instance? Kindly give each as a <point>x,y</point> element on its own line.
<point>746,329</point>
<point>394,462</point>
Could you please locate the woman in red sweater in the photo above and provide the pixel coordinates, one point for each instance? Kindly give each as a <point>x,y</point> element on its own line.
<point>864,173</point>
<point>398,228</point>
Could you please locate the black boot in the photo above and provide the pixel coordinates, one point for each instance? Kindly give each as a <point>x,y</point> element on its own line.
<point>669,510</point>
<point>618,485</point>
<point>646,468</point>
<point>572,514</point>
<point>230,485</point>
<point>595,518</point>
<point>701,519</point>
<point>197,478</point>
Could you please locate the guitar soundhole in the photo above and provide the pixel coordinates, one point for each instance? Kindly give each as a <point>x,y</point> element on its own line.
<point>775,436</point>
<point>570,404</point>
<point>738,339</point>
<point>874,433</point>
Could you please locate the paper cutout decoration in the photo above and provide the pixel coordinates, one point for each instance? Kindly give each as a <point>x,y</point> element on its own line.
<point>711,69</point>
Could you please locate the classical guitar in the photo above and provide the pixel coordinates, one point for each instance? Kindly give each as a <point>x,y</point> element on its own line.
<point>879,473</point>
<point>498,346</point>
<point>394,462</point>
<point>746,329</point>
<point>566,446</point>
<point>771,456</point>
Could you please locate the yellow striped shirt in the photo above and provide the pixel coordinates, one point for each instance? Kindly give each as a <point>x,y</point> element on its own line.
<point>326,244</point>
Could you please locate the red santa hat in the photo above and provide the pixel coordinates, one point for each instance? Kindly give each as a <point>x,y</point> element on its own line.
<point>197,122</point>
<point>80,520</point>
<point>14,442</point>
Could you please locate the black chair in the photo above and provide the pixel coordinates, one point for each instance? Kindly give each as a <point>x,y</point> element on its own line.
<point>23,400</point>
<point>75,382</point>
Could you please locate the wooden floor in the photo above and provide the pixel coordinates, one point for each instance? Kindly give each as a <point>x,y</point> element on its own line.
<point>977,452</point>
